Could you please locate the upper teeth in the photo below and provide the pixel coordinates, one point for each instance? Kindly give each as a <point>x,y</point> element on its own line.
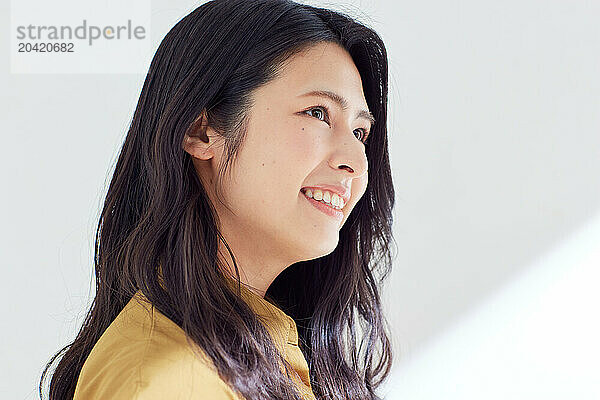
<point>325,196</point>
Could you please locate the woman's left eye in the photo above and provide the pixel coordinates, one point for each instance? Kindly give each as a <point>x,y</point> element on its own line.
<point>365,134</point>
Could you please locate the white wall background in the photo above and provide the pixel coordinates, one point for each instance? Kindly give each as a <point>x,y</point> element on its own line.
<point>495,146</point>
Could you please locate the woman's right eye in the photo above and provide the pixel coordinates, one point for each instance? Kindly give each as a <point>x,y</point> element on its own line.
<point>321,112</point>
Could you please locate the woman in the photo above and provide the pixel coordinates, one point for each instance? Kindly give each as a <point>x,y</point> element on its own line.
<point>243,242</point>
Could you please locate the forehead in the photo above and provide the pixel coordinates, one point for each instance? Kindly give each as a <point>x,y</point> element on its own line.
<point>324,66</point>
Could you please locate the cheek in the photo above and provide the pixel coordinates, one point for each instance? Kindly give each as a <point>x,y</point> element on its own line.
<point>358,188</point>
<point>294,149</point>
<point>306,141</point>
<point>280,157</point>
<point>298,154</point>
<point>277,162</point>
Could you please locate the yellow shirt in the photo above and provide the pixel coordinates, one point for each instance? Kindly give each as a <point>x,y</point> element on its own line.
<point>143,355</point>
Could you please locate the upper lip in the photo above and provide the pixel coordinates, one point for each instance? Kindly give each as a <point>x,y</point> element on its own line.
<point>342,191</point>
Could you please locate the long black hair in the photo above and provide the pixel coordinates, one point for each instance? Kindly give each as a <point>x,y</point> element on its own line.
<point>157,212</point>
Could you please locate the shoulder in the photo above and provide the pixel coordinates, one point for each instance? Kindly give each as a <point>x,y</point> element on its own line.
<point>143,355</point>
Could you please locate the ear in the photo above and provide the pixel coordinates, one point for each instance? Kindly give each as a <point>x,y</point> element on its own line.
<point>199,140</point>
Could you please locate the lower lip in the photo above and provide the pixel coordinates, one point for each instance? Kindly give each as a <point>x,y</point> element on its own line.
<point>325,209</point>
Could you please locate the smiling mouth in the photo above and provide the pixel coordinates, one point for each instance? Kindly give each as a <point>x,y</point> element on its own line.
<point>325,208</point>
<point>334,201</point>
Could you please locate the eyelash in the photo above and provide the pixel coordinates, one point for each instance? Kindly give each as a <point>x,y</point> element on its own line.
<point>366,133</point>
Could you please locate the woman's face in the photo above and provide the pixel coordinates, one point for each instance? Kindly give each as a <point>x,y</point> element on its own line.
<point>292,143</point>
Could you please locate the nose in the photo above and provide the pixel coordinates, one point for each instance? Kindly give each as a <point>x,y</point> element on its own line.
<point>349,155</point>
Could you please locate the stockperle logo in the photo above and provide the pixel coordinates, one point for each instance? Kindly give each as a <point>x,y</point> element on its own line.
<point>85,31</point>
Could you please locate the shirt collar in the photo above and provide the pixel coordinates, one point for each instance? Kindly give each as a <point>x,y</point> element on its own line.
<point>279,324</point>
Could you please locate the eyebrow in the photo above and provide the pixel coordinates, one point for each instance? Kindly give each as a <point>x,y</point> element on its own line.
<point>342,102</point>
